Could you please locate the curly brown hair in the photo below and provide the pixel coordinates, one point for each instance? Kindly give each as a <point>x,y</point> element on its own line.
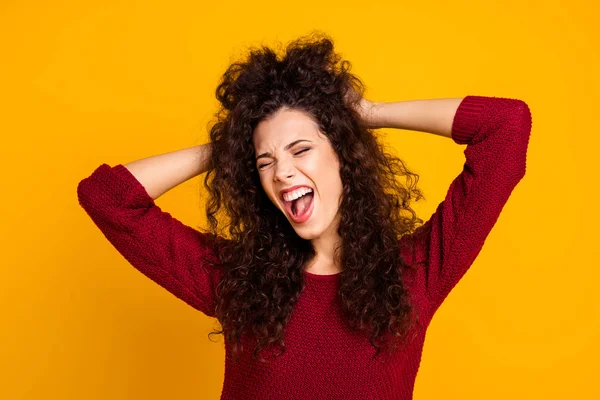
<point>260,254</point>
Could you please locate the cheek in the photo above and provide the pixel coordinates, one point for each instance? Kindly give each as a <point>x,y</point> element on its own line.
<point>329,174</point>
<point>330,188</point>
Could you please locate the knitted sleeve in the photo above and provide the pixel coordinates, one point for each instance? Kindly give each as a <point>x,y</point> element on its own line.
<point>496,132</point>
<point>168,252</point>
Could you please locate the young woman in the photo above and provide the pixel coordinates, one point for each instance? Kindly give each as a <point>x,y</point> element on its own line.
<point>321,262</point>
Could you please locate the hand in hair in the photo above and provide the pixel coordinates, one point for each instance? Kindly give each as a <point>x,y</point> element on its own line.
<point>365,108</point>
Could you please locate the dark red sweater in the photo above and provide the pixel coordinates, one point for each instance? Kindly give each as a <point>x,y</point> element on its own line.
<point>323,359</point>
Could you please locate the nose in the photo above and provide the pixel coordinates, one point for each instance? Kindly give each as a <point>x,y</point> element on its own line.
<point>284,170</point>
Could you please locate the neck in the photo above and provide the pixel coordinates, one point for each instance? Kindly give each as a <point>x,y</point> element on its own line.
<point>326,258</point>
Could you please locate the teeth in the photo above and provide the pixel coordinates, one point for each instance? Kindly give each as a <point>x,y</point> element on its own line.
<point>296,193</point>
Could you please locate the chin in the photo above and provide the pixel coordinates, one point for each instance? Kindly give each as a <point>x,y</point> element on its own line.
<point>307,234</point>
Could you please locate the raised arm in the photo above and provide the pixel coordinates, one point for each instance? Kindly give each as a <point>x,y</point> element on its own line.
<point>161,173</point>
<point>431,116</point>
<point>120,201</point>
<point>496,132</point>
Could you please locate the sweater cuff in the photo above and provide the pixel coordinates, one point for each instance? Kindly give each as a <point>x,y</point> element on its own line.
<point>134,191</point>
<point>467,119</point>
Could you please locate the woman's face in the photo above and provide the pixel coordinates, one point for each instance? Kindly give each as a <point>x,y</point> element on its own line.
<point>291,151</point>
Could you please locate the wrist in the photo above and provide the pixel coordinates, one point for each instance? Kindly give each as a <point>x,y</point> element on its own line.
<point>374,114</point>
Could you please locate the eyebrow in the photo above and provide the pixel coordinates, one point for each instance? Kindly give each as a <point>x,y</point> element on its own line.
<point>287,147</point>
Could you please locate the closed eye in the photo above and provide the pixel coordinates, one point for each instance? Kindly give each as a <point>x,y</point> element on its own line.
<point>299,152</point>
<point>302,151</point>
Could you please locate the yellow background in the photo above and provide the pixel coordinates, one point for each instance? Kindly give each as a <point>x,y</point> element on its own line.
<point>85,83</point>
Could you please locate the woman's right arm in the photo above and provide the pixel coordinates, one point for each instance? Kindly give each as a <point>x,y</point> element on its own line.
<point>161,173</point>
<point>120,201</point>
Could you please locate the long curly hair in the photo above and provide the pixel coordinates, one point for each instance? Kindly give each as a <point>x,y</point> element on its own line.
<point>260,254</point>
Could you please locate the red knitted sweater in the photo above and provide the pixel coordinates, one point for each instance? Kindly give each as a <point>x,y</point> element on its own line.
<point>323,359</point>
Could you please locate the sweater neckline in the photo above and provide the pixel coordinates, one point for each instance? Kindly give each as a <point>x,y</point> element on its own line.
<point>331,277</point>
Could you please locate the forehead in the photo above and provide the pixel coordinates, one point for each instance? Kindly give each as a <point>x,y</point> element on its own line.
<point>283,127</point>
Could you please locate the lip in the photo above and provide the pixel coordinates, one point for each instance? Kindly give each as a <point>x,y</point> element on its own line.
<point>292,189</point>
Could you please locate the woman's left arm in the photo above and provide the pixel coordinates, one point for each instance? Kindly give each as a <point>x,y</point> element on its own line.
<point>496,132</point>
<point>432,116</point>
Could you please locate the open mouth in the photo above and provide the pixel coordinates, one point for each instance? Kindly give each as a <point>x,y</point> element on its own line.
<point>301,208</point>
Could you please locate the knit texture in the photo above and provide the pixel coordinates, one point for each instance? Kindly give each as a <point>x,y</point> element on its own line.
<point>323,359</point>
